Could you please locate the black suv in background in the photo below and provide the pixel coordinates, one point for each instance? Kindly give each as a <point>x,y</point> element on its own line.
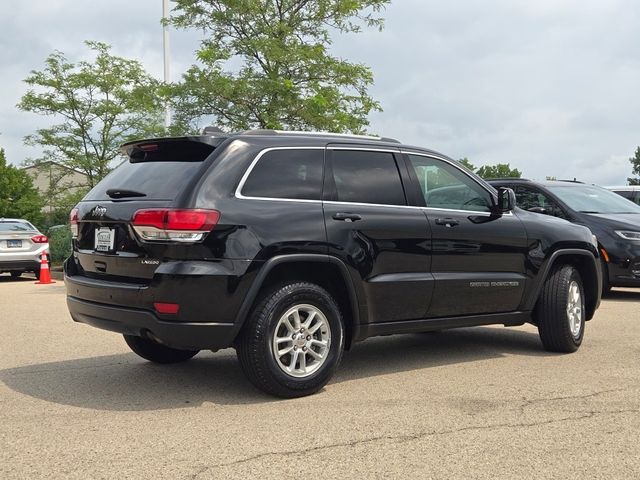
<point>614,220</point>
<point>292,246</point>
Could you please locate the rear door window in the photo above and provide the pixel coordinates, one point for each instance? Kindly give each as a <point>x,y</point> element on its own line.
<point>294,174</point>
<point>367,177</point>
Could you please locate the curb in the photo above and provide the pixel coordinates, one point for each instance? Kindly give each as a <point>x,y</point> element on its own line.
<point>57,274</point>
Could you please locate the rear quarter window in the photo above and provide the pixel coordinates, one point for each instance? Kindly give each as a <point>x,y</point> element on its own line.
<point>288,174</point>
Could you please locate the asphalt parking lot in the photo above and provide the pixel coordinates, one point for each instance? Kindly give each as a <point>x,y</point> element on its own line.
<point>472,403</point>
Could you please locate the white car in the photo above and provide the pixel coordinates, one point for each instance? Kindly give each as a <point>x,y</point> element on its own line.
<point>630,192</point>
<point>21,246</point>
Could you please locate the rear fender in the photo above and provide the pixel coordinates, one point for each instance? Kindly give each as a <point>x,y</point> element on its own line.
<point>269,265</point>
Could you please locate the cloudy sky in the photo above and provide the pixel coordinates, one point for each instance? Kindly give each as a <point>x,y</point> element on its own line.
<point>549,86</point>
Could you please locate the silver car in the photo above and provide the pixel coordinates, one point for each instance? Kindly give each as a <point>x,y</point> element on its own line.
<point>21,246</point>
<point>630,192</point>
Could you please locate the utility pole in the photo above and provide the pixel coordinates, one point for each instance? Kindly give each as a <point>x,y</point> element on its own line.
<point>165,48</point>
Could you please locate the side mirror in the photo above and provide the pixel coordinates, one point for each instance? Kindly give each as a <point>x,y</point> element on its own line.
<point>506,199</point>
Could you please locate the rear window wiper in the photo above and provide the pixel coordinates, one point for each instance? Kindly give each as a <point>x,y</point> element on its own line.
<point>123,193</point>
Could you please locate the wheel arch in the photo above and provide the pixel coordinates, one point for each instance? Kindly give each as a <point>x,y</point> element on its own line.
<point>326,271</point>
<point>588,267</point>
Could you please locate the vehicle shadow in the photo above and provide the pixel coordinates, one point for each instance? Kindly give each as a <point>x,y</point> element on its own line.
<point>26,277</point>
<point>626,295</point>
<point>125,382</point>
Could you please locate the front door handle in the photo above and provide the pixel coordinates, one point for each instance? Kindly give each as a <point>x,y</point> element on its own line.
<point>447,222</point>
<point>346,217</point>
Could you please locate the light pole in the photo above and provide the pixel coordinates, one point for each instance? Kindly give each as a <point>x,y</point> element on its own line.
<point>165,49</point>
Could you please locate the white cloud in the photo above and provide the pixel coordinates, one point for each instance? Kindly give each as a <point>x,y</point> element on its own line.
<point>548,86</point>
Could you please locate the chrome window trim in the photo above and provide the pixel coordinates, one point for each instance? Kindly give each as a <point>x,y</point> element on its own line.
<point>474,212</point>
<point>238,193</point>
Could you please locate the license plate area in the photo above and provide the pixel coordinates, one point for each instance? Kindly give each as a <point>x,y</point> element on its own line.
<point>14,243</point>
<point>104,239</point>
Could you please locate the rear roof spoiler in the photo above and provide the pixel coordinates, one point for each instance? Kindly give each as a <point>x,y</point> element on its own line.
<point>185,149</point>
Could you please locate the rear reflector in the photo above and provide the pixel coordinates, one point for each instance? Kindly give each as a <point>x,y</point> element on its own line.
<point>73,222</point>
<point>39,239</point>
<point>181,225</point>
<point>166,308</point>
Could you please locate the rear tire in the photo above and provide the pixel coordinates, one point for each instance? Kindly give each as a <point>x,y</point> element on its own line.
<point>560,313</point>
<point>15,274</point>
<point>292,341</point>
<point>155,352</point>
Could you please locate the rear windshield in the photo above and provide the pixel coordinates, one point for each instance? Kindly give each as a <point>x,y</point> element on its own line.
<point>16,227</point>
<point>157,175</point>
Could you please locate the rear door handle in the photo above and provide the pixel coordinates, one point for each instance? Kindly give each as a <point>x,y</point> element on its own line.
<point>447,222</point>
<point>347,217</point>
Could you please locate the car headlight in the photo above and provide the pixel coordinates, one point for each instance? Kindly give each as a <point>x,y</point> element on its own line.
<point>594,241</point>
<point>627,235</point>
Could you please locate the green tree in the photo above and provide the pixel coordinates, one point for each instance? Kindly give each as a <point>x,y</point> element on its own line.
<point>470,166</point>
<point>266,64</point>
<point>500,170</point>
<point>99,105</point>
<point>61,207</point>
<point>18,197</point>
<point>635,162</point>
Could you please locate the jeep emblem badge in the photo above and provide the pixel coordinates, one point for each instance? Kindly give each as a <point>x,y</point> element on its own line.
<point>99,211</point>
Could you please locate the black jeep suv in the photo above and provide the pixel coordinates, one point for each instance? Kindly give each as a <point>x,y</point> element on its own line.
<point>292,246</point>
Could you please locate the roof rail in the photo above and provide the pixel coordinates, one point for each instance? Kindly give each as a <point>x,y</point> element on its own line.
<point>570,181</point>
<point>263,131</point>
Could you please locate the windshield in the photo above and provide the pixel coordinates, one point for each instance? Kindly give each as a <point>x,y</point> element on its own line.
<point>592,199</point>
<point>16,227</point>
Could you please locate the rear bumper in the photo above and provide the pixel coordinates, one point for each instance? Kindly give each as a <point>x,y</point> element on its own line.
<point>208,294</point>
<point>19,265</point>
<point>130,321</point>
<point>22,260</point>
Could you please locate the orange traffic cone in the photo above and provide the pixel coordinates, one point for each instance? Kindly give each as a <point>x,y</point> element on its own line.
<point>45,274</point>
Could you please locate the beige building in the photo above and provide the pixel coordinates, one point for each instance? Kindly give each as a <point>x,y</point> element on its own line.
<point>52,179</point>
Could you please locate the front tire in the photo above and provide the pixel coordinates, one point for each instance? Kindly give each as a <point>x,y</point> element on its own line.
<point>155,352</point>
<point>560,312</point>
<point>293,340</point>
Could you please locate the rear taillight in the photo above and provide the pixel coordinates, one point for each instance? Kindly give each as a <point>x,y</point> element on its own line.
<point>39,239</point>
<point>175,225</point>
<point>73,222</point>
